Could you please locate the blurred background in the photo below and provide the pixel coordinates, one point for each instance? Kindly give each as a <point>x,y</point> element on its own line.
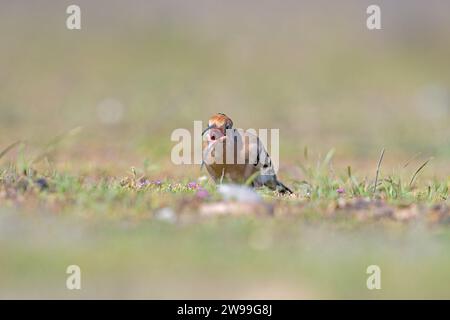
<point>139,69</point>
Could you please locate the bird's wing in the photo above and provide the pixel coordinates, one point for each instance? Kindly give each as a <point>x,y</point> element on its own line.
<point>257,155</point>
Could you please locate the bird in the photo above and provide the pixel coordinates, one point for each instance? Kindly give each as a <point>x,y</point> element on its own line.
<point>247,161</point>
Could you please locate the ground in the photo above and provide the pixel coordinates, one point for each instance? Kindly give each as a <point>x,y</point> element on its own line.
<point>136,236</point>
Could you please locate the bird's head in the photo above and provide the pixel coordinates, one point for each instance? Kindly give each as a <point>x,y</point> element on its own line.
<point>218,124</point>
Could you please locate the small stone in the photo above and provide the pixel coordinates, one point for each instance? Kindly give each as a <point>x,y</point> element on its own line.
<point>405,214</point>
<point>234,208</point>
<point>244,194</point>
<point>166,214</point>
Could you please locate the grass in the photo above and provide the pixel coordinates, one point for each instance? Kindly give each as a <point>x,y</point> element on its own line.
<point>315,244</point>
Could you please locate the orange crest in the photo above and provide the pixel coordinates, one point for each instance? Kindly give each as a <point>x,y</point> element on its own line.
<point>221,121</point>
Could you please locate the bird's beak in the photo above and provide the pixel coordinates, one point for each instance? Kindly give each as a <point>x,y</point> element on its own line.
<point>209,127</point>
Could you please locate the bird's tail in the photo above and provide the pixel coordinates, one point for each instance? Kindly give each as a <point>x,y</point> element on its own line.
<point>272,183</point>
<point>281,188</point>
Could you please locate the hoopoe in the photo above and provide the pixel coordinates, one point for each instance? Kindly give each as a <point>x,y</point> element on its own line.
<point>248,159</point>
